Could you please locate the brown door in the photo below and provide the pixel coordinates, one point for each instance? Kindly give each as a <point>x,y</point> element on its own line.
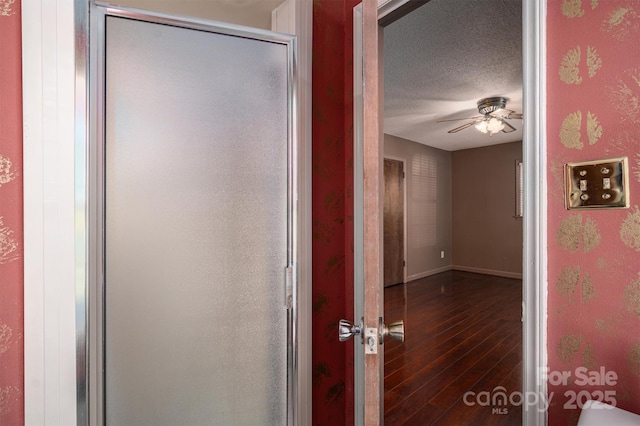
<point>393,228</point>
<point>372,189</point>
<point>371,380</point>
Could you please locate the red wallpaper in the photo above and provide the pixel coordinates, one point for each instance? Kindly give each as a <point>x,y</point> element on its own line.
<point>593,78</point>
<point>594,256</point>
<point>11,265</point>
<point>332,209</point>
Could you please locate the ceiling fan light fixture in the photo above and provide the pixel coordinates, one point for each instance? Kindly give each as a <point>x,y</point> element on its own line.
<point>490,125</point>
<point>494,126</point>
<point>489,105</point>
<point>493,119</point>
<point>482,126</point>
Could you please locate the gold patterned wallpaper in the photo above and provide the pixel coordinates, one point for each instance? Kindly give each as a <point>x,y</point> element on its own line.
<point>593,78</point>
<point>593,107</point>
<point>11,266</point>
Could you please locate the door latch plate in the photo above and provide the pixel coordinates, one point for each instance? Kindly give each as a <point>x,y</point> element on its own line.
<point>370,341</point>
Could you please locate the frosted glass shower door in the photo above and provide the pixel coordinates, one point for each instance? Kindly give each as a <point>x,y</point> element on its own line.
<point>198,218</point>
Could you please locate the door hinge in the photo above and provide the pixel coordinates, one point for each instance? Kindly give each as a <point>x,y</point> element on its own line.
<point>404,263</point>
<point>288,287</point>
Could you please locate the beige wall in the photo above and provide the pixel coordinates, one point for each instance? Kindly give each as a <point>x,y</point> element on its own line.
<point>428,205</point>
<point>486,237</point>
<point>462,203</point>
<point>252,13</point>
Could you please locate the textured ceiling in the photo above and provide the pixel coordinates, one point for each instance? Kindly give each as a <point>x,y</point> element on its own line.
<point>441,59</point>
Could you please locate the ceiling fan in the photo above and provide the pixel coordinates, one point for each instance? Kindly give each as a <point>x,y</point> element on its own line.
<point>492,120</point>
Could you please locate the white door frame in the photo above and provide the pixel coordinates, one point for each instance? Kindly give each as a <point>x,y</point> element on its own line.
<point>535,204</point>
<point>53,48</point>
<point>534,276</point>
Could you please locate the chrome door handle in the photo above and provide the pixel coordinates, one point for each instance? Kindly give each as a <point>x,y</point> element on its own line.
<point>394,331</point>
<point>346,330</point>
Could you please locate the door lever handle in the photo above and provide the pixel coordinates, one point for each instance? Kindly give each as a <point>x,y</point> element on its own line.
<point>394,331</point>
<point>346,330</point>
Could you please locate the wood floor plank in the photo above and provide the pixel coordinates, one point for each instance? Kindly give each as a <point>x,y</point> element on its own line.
<point>442,355</point>
<point>463,334</point>
<point>448,320</point>
<point>440,406</point>
<point>428,382</point>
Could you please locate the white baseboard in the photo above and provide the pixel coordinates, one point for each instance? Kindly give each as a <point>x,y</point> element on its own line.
<point>505,274</point>
<point>428,273</point>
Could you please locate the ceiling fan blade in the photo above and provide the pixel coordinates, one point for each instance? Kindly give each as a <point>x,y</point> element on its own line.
<point>508,128</point>
<point>503,113</point>
<point>464,126</point>
<point>457,119</point>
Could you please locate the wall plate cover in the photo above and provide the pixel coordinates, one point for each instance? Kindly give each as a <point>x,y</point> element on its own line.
<point>597,184</point>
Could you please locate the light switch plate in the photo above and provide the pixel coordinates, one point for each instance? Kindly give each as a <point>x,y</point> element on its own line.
<point>597,184</point>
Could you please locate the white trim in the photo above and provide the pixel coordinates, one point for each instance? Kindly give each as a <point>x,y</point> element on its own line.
<point>496,273</point>
<point>283,17</point>
<point>428,273</point>
<point>483,271</point>
<point>535,208</point>
<point>304,33</point>
<point>49,297</point>
<point>385,7</point>
<point>296,17</point>
<point>32,70</point>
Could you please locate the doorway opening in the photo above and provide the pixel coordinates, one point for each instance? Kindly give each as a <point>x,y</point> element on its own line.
<point>462,296</point>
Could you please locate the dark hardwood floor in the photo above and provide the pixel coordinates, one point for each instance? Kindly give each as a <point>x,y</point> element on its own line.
<point>463,333</point>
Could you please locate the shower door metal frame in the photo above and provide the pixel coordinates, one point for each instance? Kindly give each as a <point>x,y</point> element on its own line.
<point>90,171</point>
